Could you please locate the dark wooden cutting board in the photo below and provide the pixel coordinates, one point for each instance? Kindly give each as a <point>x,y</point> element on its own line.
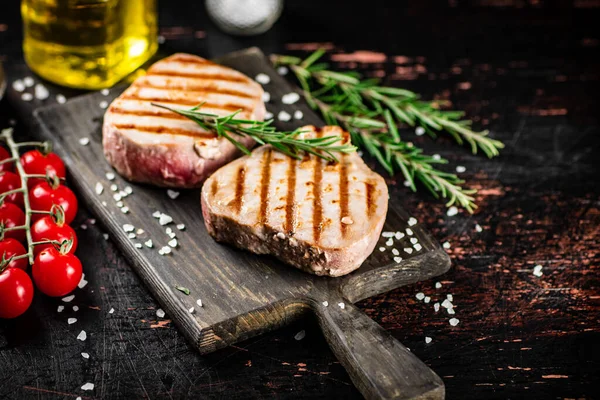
<point>243,294</point>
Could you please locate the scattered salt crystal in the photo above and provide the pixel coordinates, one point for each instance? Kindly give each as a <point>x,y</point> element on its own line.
<point>382,249</point>
<point>268,115</point>
<point>112,310</point>
<point>325,303</point>
<point>284,116</point>
<point>128,190</point>
<point>181,227</point>
<point>191,310</point>
<point>409,232</point>
<point>172,194</point>
<point>389,242</point>
<point>110,176</point>
<point>437,157</point>
<point>341,305</point>
<point>85,355</point>
<point>60,308</point>
<point>60,99</point>
<point>452,211</point>
<point>131,235</point>
<point>114,187</point>
<point>447,303</point>
<point>103,104</point>
<point>438,285</point>
<point>414,240</point>
<point>99,188</point>
<point>298,114</point>
<point>156,214</point>
<point>418,247</point>
<point>140,231</point>
<point>450,297</point>
<point>395,252</point>
<point>83,226</point>
<point>266,97</point>
<point>82,283</point>
<point>399,235</point>
<point>18,85</point>
<point>412,221</point>
<point>420,296</point>
<point>88,386</point>
<point>283,70</point>
<point>165,219</point>
<point>436,307</point>
<point>172,235</point>
<point>454,321</point>
<point>408,250</point>
<point>300,335</point>
<point>117,197</point>
<point>537,271</point>
<point>460,169</point>
<point>28,81</point>
<point>168,230</point>
<point>105,235</point>
<point>123,194</point>
<point>104,203</point>
<point>420,131</point>
<point>451,311</point>
<point>290,98</point>
<point>397,259</point>
<point>427,339</point>
<point>41,92</point>
<point>26,97</point>
<point>427,299</point>
<point>478,228</point>
<point>138,245</point>
<point>128,228</point>
<point>446,245</point>
<point>82,336</point>
<point>263,79</point>
<point>199,302</point>
<point>125,210</point>
<point>68,299</point>
<point>160,39</point>
<point>347,221</point>
<point>148,243</point>
<point>160,313</point>
<point>387,234</point>
<point>75,308</point>
<point>104,92</point>
<point>407,183</point>
<point>173,243</point>
<point>166,250</point>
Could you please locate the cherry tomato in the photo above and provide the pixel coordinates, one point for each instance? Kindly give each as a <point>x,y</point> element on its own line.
<point>48,229</point>
<point>10,247</point>
<point>34,162</point>
<point>56,274</point>
<point>4,154</point>
<point>10,181</point>
<point>11,216</point>
<point>16,292</point>
<point>43,196</point>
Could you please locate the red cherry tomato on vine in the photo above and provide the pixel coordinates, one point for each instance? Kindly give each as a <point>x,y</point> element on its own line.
<point>4,154</point>
<point>56,274</point>
<point>43,196</point>
<point>16,292</point>
<point>35,162</point>
<point>11,216</point>
<point>11,181</point>
<point>10,247</point>
<point>48,229</point>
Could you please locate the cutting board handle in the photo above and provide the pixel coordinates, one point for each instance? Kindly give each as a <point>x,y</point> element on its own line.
<point>379,365</point>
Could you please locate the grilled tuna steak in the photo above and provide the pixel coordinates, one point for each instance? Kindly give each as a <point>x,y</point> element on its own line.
<point>152,145</point>
<point>321,217</point>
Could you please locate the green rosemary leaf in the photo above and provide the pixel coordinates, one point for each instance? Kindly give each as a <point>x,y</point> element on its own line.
<point>183,290</point>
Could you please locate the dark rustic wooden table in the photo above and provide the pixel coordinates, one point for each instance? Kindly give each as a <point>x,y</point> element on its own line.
<point>528,71</point>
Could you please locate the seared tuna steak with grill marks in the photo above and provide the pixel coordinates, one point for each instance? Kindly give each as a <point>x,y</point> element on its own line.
<point>152,145</point>
<point>324,218</point>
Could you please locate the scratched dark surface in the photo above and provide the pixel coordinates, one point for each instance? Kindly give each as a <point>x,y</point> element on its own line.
<point>528,71</point>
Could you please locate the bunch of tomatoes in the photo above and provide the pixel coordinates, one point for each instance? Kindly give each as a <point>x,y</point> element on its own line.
<point>47,239</point>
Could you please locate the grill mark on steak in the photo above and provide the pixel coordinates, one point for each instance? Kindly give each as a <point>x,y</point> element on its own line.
<point>216,77</point>
<point>343,193</point>
<point>166,130</point>
<point>290,201</point>
<point>195,89</point>
<point>265,179</point>
<point>370,198</point>
<point>189,58</point>
<point>184,102</point>
<point>158,113</point>
<point>317,206</point>
<point>240,180</point>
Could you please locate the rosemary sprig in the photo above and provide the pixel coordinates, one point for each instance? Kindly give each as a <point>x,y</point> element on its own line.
<point>263,132</point>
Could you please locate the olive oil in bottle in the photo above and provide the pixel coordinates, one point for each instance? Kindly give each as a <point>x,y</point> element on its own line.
<point>88,44</point>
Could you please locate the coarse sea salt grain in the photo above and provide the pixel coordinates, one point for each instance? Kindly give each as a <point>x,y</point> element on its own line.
<point>437,157</point>
<point>478,228</point>
<point>105,235</point>
<point>128,190</point>
<point>451,311</point>
<point>199,302</point>
<point>268,115</point>
<point>84,141</point>
<point>408,250</point>
<point>298,114</point>
<point>132,235</point>
<point>173,243</point>
<point>181,227</point>
<point>418,247</point>
<point>399,235</point>
<point>446,245</point>
<point>103,104</point>
<point>85,355</point>
<point>382,249</point>
<point>28,81</point>
<point>397,259</point>
<point>172,194</point>
<point>436,307</point>
<point>111,311</point>
<point>128,228</point>
<point>447,303</point>
<point>82,336</point>
<point>138,245</point>
<point>26,97</point>
<point>387,234</point>
<point>290,98</point>
<point>300,335</point>
<point>450,297</point>
<point>83,226</point>
<point>68,299</point>
<point>125,210</point>
<point>341,305</point>
<point>263,79</point>
<point>427,299</point>
<point>438,285</point>
<point>389,242</point>
<point>110,176</point>
<point>114,187</point>
<point>99,188</point>
<point>395,252</point>
<point>82,283</point>
<point>460,169</point>
<point>75,308</point>
<point>266,97</point>
<point>148,243</point>
<point>191,310</point>
<point>407,183</point>
<point>61,99</point>
<point>420,131</point>
<point>454,321</point>
<point>104,92</point>
<point>18,85</point>
<point>412,221</point>
<point>427,339</point>
<point>537,271</point>
<point>325,303</point>
<point>88,386</point>
<point>452,211</point>
<point>409,232</point>
<point>160,313</point>
<point>60,308</point>
<point>156,214</point>
<point>414,240</point>
<point>165,219</point>
<point>284,116</point>
<point>282,70</point>
<point>420,296</point>
<point>41,92</point>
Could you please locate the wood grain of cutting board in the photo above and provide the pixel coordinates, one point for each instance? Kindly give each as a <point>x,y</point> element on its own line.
<point>243,294</point>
